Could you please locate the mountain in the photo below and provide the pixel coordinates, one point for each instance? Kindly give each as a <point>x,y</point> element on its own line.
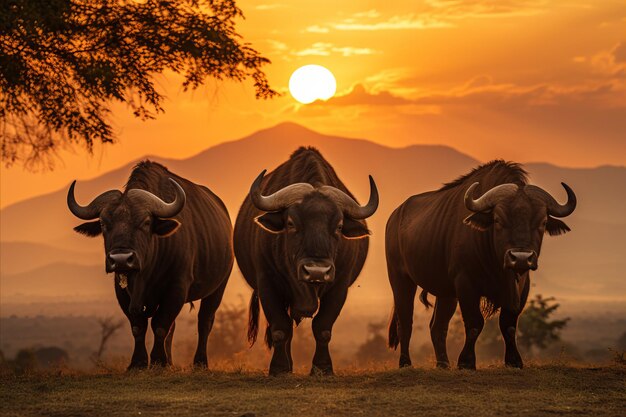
<point>58,280</point>
<point>17,257</point>
<point>586,262</point>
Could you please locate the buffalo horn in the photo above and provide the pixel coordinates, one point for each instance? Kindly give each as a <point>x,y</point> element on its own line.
<point>490,198</point>
<point>158,207</point>
<point>280,199</point>
<point>351,207</point>
<point>554,208</point>
<point>93,209</point>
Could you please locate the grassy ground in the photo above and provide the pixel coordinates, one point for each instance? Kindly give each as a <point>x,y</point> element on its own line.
<point>535,391</point>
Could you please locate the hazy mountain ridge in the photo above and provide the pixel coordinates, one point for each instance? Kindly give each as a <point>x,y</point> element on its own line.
<point>568,265</point>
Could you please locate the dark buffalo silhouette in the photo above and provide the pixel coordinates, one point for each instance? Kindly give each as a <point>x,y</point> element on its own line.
<point>459,248</point>
<point>163,254</point>
<point>300,248</point>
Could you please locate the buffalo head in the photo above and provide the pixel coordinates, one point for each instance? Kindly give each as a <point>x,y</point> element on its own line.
<point>311,222</point>
<point>129,223</point>
<point>518,216</point>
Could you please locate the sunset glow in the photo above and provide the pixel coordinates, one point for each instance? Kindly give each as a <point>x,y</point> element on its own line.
<point>312,82</point>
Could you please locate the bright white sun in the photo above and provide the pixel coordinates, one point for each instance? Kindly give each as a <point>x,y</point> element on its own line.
<point>312,82</point>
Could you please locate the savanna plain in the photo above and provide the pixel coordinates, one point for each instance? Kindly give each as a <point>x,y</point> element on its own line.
<point>538,390</point>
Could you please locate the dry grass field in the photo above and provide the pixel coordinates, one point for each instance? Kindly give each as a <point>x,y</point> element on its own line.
<point>534,391</point>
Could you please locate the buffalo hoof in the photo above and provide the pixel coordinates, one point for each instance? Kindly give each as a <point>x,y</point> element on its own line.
<point>321,371</point>
<point>279,372</point>
<point>200,362</point>
<point>405,362</point>
<point>443,365</point>
<point>514,363</point>
<point>513,360</point>
<point>467,365</point>
<point>135,366</point>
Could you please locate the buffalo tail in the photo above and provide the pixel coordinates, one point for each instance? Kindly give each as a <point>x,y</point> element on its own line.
<point>253,318</point>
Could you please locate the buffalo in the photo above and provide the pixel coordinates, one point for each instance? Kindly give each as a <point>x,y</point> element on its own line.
<point>300,241</point>
<point>163,254</point>
<point>474,251</point>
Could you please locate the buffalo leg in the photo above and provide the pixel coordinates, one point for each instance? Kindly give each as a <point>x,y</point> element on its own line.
<point>508,327</point>
<point>280,330</point>
<point>168,343</point>
<point>206,318</point>
<point>139,326</point>
<point>161,325</point>
<point>473,321</point>
<point>404,299</point>
<point>443,312</point>
<point>330,307</point>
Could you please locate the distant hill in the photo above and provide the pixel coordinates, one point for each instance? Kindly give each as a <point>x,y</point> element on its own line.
<point>17,257</point>
<point>59,280</point>
<point>588,262</point>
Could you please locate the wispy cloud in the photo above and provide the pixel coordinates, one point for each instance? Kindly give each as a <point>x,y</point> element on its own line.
<point>436,14</point>
<point>464,9</point>
<point>410,21</point>
<point>317,29</point>
<point>269,6</point>
<point>326,49</point>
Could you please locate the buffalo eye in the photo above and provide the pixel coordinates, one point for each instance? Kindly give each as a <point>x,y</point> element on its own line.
<point>291,227</point>
<point>146,223</point>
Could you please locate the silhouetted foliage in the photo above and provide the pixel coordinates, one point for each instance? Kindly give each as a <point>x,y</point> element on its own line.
<point>374,349</point>
<point>51,357</point>
<point>535,327</point>
<point>621,342</point>
<point>25,361</point>
<point>229,329</point>
<point>63,62</point>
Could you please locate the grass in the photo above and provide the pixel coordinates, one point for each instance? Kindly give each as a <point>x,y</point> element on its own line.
<point>534,391</point>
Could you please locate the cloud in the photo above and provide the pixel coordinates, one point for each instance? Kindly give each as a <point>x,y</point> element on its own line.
<point>359,96</point>
<point>317,29</point>
<point>326,49</point>
<point>608,63</point>
<point>464,9</point>
<point>410,21</point>
<point>277,45</point>
<point>435,15</point>
<point>269,6</point>
<point>482,92</point>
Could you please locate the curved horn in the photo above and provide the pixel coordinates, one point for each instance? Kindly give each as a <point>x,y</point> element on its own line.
<point>281,198</point>
<point>351,207</point>
<point>489,199</point>
<point>554,208</point>
<point>93,209</point>
<point>158,207</point>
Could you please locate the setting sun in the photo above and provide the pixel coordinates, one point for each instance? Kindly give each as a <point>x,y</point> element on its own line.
<point>312,82</point>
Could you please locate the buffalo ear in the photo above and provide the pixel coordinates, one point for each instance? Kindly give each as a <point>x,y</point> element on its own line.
<point>165,227</point>
<point>272,222</point>
<point>353,229</point>
<point>555,227</point>
<point>91,229</point>
<point>480,221</point>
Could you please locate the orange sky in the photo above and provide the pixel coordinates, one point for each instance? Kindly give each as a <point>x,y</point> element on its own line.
<point>518,79</point>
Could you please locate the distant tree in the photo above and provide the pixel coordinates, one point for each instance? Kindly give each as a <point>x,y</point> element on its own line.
<point>108,327</point>
<point>51,357</point>
<point>63,62</point>
<point>228,333</point>
<point>374,349</point>
<point>25,361</point>
<point>536,330</point>
<point>621,342</point>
